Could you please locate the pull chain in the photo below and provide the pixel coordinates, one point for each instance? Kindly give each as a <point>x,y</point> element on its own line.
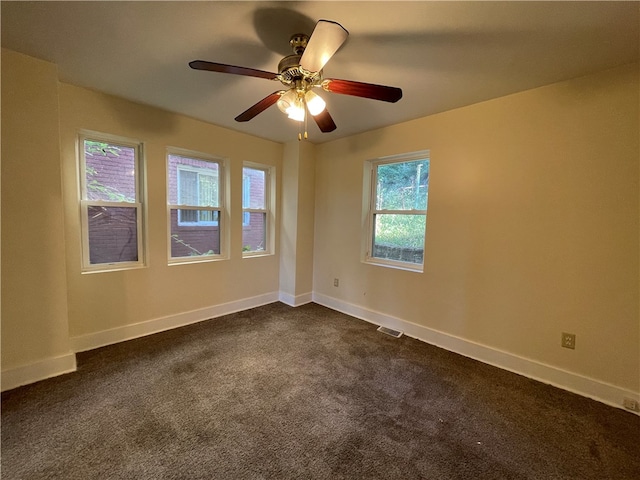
<point>302,131</point>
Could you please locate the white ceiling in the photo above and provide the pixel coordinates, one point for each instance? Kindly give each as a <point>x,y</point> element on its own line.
<point>442,54</point>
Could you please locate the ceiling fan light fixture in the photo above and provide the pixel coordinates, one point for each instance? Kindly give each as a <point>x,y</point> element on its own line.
<point>315,103</point>
<point>292,104</point>
<point>287,100</point>
<point>300,73</point>
<point>296,112</point>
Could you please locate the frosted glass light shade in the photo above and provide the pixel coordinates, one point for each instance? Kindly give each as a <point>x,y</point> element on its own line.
<point>315,103</point>
<point>291,104</point>
<point>296,112</point>
<point>287,100</point>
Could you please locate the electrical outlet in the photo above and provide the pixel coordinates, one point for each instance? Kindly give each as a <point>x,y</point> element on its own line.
<point>631,404</point>
<point>336,282</point>
<point>568,340</point>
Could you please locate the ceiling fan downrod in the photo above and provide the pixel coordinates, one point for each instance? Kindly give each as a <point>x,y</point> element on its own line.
<point>299,42</point>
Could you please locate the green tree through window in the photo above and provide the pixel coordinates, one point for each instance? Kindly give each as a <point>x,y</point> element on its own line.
<point>399,211</point>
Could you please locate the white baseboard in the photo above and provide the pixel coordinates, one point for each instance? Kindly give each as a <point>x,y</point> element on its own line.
<point>297,300</point>
<point>585,386</point>
<point>572,382</point>
<point>34,372</point>
<point>90,341</point>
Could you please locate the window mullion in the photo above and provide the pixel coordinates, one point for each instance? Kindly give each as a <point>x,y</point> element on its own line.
<point>254,210</point>
<point>400,212</point>
<point>102,203</point>
<point>193,207</point>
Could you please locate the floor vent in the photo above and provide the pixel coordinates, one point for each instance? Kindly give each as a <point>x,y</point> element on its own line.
<point>388,331</point>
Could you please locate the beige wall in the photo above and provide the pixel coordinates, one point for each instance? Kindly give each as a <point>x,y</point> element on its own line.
<point>289,210</point>
<point>532,226</point>
<point>298,197</point>
<point>102,301</point>
<point>305,222</point>
<point>34,285</point>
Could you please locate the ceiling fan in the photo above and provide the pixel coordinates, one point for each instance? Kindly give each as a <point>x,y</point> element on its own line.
<point>301,73</point>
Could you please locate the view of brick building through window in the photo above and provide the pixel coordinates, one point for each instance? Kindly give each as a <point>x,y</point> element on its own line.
<point>109,192</point>
<point>254,205</point>
<point>195,205</point>
<point>194,182</point>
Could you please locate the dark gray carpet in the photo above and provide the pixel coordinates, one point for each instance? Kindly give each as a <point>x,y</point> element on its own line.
<point>305,393</point>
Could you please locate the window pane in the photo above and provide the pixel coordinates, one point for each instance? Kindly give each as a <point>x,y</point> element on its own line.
<point>207,190</point>
<point>399,237</point>
<point>188,216</point>
<point>207,216</point>
<point>253,188</point>
<point>113,234</point>
<point>110,172</point>
<point>187,187</point>
<point>254,232</point>
<point>402,186</point>
<point>193,182</point>
<point>195,240</point>
<point>195,218</point>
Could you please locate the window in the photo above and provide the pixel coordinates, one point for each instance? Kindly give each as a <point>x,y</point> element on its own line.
<point>111,203</point>
<point>255,209</point>
<point>397,211</point>
<point>195,206</point>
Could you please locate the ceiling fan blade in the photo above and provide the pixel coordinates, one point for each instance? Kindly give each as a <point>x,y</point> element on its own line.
<point>259,107</point>
<point>325,122</point>
<point>360,89</point>
<point>223,68</point>
<point>326,39</point>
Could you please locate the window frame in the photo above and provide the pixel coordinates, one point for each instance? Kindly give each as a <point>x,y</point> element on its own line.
<point>370,211</point>
<point>221,208</point>
<point>139,205</point>
<point>268,210</point>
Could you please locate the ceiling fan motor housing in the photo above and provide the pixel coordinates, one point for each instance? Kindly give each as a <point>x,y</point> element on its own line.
<point>291,73</point>
<point>289,69</point>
